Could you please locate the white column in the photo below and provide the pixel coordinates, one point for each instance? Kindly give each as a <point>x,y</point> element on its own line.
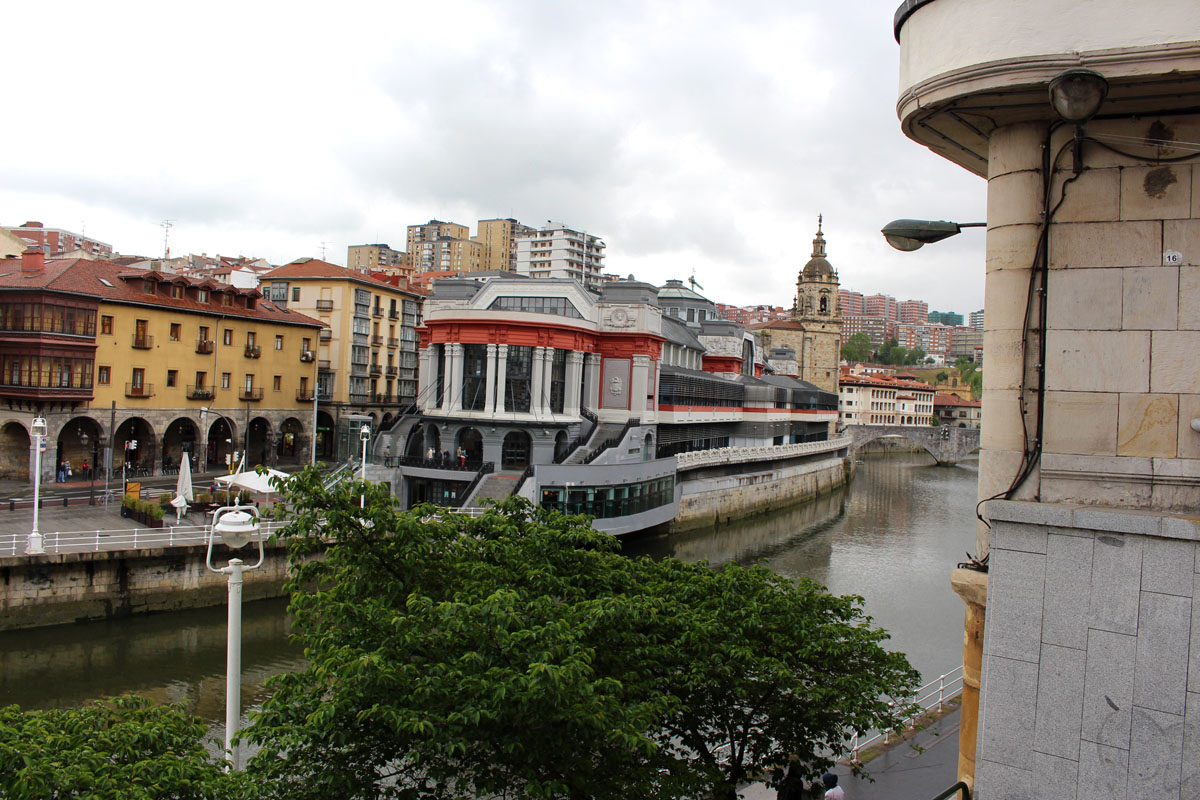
<point>535,384</point>
<point>591,382</point>
<point>574,376</point>
<point>638,381</point>
<point>489,395</point>
<point>424,375</point>
<point>501,375</point>
<point>454,376</point>
<point>547,378</point>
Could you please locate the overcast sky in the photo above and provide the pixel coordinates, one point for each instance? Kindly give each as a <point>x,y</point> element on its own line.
<point>691,136</point>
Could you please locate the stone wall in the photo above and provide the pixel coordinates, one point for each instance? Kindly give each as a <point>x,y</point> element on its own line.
<point>37,591</point>
<point>1091,672</point>
<point>707,498</point>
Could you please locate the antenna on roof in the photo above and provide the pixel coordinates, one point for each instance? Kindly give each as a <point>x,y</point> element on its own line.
<point>323,250</point>
<point>692,281</point>
<point>166,226</point>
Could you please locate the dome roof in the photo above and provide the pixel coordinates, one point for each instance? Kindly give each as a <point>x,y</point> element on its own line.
<point>818,268</point>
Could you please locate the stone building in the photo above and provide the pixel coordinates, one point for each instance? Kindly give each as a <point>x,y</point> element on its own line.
<point>815,330</point>
<point>1082,646</point>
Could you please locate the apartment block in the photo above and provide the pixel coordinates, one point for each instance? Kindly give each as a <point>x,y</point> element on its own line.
<point>881,305</point>
<point>976,320</point>
<point>498,239</point>
<point>556,251</point>
<point>377,256</point>
<point>913,312</point>
<point>946,318</point>
<point>851,303</point>
<point>55,242</point>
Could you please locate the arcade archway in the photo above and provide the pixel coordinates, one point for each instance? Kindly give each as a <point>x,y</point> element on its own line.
<point>180,440</point>
<point>256,442</point>
<point>14,451</point>
<point>514,453</point>
<point>470,442</point>
<point>140,457</point>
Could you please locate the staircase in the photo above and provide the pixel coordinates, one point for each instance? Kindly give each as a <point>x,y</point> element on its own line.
<point>496,486</point>
<point>600,436</point>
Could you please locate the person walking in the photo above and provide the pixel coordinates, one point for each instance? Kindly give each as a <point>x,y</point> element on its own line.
<point>832,790</point>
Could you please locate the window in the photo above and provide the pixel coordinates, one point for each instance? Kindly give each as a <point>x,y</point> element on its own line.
<point>224,380</point>
<point>148,287</point>
<point>306,345</point>
<point>250,338</point>
<point>201,377</point>
<point>226,299</point>
<point>175,328</point>
<point>103,375</point>
<point>203,333</point>
<point>202,295</point>
<point>176,291</point>
<point>295,294</point>
<point>278,383</point>
<point>138,378</point>
<point>278,342</point>
<point>172,376</point>
<point>106,324</point>
<point>249,383</point>
<point>228,336</point>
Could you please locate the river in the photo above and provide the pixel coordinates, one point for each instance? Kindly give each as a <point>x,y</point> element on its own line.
<point>892,537</point>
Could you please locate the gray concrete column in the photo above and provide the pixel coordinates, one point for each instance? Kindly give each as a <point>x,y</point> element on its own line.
<point>424,378</point>
<point>591,381</point>
<point>571,397</point>
<point>639,379</point>
<point>501,375</point>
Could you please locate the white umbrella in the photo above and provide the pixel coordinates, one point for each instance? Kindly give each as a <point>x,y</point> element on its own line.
<point>183,489</point>
<point>253,481</point>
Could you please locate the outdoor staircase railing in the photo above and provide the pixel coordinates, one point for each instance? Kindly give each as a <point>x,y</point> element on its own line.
<point>486,468</point>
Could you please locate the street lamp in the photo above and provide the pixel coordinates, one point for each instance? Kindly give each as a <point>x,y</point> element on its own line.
<point>33,545</point>
<point>364,433</point>
<point>236,525</point>
<point>913,234</point>
<point>83,439</point>
<point>204,410</point>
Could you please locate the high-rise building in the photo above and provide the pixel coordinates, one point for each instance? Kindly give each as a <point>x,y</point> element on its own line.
<point>376,256</point>
<point>851,302</point>
<point>556,251</point>
<point>422,254</point>
<point>498,238</point>
<point>946,318</point>
<point>881,305</point>
<point>977,320</point>
<point>913,312</point>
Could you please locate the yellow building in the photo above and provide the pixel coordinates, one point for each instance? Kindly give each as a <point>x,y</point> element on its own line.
<point>377,256</point>
<point>367,354</point>
<point>179,365</point>
<point>498,238</point>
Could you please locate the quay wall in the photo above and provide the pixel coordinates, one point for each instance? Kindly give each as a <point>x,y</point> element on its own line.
<point>39,591</point>
<point>714,496</point>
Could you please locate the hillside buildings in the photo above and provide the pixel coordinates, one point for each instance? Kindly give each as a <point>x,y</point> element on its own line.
<point>498,237</point>
<point>56,243</point>
<point>377,257</point>
<point>874,397</point>
<point>556,251</point>
<point>1081,638</point>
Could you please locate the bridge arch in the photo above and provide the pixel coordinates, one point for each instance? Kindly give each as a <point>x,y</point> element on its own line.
<point>947,445</point>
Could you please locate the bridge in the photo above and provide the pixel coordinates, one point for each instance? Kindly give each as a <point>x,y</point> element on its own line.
<point>947,445</point>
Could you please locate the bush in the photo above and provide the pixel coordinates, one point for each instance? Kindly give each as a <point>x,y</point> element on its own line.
<point>203,497</point>
<point>155,512</point>
<point>164,499</point>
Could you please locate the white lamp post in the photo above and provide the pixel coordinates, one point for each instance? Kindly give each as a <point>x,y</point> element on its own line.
<point>33,545</point>
<point>364,433</point>
<point>236,525</point>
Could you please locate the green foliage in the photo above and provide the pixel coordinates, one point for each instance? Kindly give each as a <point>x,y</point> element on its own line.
<point>971,375</point>
<point>125,747</point>
<point>520,654</point>
<point>942,377</point>
<point>892,353</point>
<point>857,348</point>
<point>935,422</point>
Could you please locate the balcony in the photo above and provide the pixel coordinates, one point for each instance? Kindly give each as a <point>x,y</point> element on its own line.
<point>376,340</point>
<point>201,392</point>
<point>205,346</point>
<point>376,312</point>
<point>253,351</point>
<point>384,397</point>
<point>393,314</point>
<point>304,396</point>
<point>393,342</point>
<point>249,393</point>
<point>142,390</point>
<point>325,395</point>
<point>326,334</point>
<point>324,305</point>
<point>142,342</point>
<point>308,356</point>
<point>376,370</point>
<point>392,372</point>
<point>323,365</point>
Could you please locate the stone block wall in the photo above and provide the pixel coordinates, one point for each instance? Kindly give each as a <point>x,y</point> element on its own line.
<point>1091,673</point>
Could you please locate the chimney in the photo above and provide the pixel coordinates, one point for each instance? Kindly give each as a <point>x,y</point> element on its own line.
<point>32,260</point>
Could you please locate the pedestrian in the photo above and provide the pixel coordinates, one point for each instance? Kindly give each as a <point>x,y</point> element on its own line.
<point>792,786</point>
<point>832,790</point>
<point>84,470</point>
<point>429,454</point>
<point>66,469</point>
<point>60,473</point>
<point>462,458</point>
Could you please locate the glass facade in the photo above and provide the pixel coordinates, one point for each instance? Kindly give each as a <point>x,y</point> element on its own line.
<point>47,318</point>
<point>604,502</point>
<point>49,372</point>
<point>518,379</point>
<point>474,386</point>
<point>559,306</point>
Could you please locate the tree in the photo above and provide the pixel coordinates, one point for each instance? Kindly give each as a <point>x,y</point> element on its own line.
<point>941,377</point>
<point>519,653</point>
<point>857,348</point>
<point>124,747</point>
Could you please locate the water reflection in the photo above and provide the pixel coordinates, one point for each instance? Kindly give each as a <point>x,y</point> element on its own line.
<point>892,538</point>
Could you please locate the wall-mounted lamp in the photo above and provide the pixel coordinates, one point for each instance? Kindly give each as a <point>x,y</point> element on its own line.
<point>1076,96</point>
<point>913,234</point>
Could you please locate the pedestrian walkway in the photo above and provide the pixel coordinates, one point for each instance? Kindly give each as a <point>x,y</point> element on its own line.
<point>917,769</point>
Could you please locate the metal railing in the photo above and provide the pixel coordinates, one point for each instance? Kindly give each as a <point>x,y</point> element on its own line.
<point>613,442</point>
<point>486,468</point>
<point>767,452</point>
<point>200,392</point>
<point>120,539</point>
<point>253,350</point>
<point>142,390</point>
<point>249,393</point>
<point>142,342</point>
<point>205,346</point>
<point>930,697</point>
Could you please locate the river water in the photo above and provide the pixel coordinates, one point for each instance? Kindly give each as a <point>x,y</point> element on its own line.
<point>892,537</point>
